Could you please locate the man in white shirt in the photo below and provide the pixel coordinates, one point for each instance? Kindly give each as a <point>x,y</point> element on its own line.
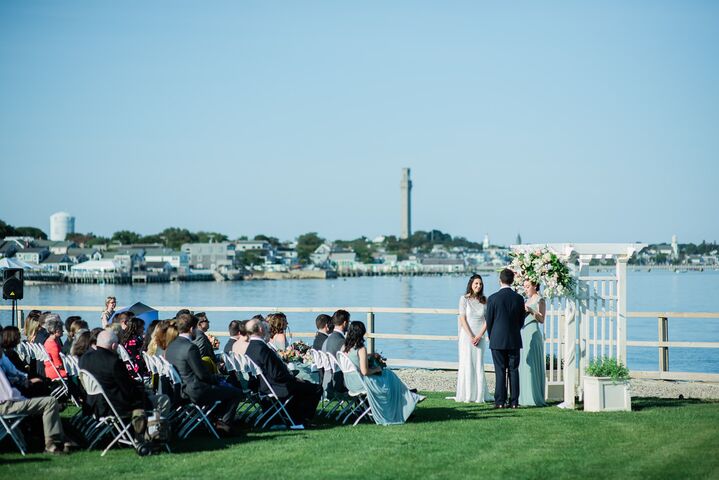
<point>12,403</point>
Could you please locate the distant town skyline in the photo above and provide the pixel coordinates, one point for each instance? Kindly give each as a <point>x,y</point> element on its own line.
<point>560,122</point>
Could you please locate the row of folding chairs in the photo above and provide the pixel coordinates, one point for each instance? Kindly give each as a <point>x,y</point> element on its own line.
<point>59,387</point>
<point>186,415</point>
<point>342,406</point>
<point>262,407</point>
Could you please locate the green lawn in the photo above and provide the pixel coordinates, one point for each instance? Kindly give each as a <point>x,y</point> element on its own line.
<point>659,439</point>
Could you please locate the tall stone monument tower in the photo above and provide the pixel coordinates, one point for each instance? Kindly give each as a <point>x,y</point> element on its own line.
<point>406,203</point>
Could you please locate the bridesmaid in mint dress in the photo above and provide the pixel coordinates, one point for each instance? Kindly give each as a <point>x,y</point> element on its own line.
<point>531,359</point>
<point>391,401</point>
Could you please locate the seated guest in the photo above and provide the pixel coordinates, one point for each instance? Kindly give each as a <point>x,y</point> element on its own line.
<point>15,376</point>
<point>93,336</point>
<point>165,333</point>
<point>77,327</point>
<point>234,330</point>
<point>32,323</point>
<point>53,345</point>
<point>70,333</point>
<point>121,321</point>
<point>13,403</point>
<point>148,334</point>
<point>278,327</point>
<point>203,342</point>
<point>9,342</point>
<point>125,393</point>
<point>42,334</point>
<point>243,339</point>
<point>82,344</point>
<point>340,320</point>
<point>131,339</point>
<point>324,328</point>
<point>198,383</point>
<point>305,395</point>
<point>391,401</point>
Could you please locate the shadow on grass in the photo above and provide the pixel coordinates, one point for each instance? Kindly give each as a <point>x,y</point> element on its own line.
<point>656,402</point>
<point>445,414</point>
<point>17,461</point>
<point>207,443</point>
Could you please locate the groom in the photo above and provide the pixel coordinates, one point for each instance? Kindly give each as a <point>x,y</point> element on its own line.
<point>505,317</point>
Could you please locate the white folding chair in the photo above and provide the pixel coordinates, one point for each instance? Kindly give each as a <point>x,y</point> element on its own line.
<point>125,357</point>
<point>115,422</point>
<point>10,423</point>
<point>190,415</point>
<point>349,370</point>
<point>251,406</point>
<point>276,407</point>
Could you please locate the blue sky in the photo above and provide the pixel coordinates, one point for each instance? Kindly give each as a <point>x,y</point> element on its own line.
<point>564,121</point>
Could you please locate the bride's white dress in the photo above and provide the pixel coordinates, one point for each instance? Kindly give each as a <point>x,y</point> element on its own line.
<point>471,382</point>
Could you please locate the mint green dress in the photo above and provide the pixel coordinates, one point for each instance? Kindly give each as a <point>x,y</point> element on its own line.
<point>390,399</point>
<point>532,362</point>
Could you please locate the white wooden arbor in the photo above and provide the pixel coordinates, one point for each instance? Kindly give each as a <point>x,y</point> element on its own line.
<point>594,323</point>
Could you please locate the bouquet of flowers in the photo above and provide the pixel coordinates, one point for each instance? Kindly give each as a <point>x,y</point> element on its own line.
<point>290,355</point>
<point>300,346</point>
<point>544,267</point>
<point>376,360</point>
<point>297,352</point>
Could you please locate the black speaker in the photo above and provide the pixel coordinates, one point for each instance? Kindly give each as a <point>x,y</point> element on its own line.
<point>12,283</point>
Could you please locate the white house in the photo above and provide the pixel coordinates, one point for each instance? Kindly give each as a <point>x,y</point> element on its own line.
<point>321,254</point>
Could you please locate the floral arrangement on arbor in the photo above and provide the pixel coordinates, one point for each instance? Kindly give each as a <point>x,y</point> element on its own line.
<point>544,267</point>
<point>298,351</point>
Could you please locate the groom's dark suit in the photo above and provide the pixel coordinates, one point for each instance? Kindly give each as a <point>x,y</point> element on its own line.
<point>505,316</point>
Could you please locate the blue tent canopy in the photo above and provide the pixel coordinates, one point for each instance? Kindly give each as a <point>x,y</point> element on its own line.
<point>140,310</point>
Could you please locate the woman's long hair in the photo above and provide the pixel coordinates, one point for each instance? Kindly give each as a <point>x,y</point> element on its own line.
<point>135,328</point>
<point>278,323</point>
<point>470,294</point>
<point>354,338</point>
<point>81,344</point>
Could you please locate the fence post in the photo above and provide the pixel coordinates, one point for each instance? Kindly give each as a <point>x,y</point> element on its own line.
<point>370,332</point>
<point>663,337</point>
<point>622,308</point>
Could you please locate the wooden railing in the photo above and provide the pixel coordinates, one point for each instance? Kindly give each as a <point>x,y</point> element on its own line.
<point>663,344</point>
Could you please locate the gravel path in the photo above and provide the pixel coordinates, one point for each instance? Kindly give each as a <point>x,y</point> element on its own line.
<point>445,381</point>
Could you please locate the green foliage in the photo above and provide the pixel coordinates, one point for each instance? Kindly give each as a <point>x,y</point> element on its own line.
<point>126,237</point>
<point>31,232</point>
<point>204,237</point>
<point>87,239</point>
<point>274,241</point>
<point>424,241</point>
<point>608,367</point>
<point>306,244</point>
<point>361,246</point>
<point>7,230</point>
<point>248,258</point>
<point>175,237</point>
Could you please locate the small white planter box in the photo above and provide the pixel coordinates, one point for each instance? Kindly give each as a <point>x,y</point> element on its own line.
<point>602,394</point>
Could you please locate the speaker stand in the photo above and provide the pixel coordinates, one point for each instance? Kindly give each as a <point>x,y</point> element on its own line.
<point>14,312</point>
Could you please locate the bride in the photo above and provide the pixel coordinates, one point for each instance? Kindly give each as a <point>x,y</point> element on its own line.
<point>471,382</point>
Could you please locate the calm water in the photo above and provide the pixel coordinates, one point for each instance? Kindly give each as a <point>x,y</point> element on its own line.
<point>647,291</point>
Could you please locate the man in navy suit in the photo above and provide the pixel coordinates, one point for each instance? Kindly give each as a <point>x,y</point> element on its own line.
<point>505,316</point>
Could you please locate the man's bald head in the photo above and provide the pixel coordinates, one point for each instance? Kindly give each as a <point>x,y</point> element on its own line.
<point>254,327</point>
<point>107,339</point>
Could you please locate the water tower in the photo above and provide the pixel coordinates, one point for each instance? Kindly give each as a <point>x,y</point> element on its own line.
<point>61,224</point>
